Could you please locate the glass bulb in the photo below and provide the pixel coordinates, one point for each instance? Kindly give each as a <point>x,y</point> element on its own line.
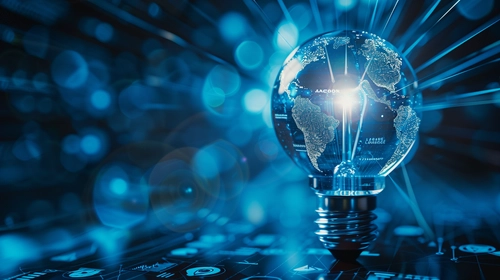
<point>343,110</point>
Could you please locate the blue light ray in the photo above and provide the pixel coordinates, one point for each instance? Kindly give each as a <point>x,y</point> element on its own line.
<point>336,12</point>
<point>428,13</point>
<point>390,16</point>
<point>267,21</point>
<point>416,25</point>
<point>458,43</point>
<point>373,16</point>
<point>446,13</point>
<point>447,104</point>
<point>285,11</point>
<point>452,72</point>
<point>367,14</point>
<point>256,10</point>
<point>317,15</point>
<point>5,84</point>
<point>203,14</point>
<point>397,13</point>
<point>416,209</point>
<point>410,49</point>
<point>110,8</point>
<point>464,95</point>
<point>472,61</point>
<point>405,196</point>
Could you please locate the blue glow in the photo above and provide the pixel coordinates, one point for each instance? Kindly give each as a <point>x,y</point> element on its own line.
<point>205,164</point>
<point>90,144</point>
<point>301,14</point>
<point>110,240</point>
<point>99,80</point>
<point>255,213</point>
<point>121,199</point>
<point>345,4</point>
<point>104,32</point>
<point>474,9</point>
<point>118,185</point>
<point>69,69</point>
<point>221,83</point>
<point>15,249</point>
<point>153,9</point>
<point>408,231</point>
<point>226,78</point>
<point>213,97</point>
<point>100,99</point>
<point>286,36</point>
<point>36,41</point>
<point>255,100</point>
<point>496,98</point>
<point>269,73</point>
<point>184,251</point>
<point>249,55</point>
<point>232,26</point>
<point>221,154</point>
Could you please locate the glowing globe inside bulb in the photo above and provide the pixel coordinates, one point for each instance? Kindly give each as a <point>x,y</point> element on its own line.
<point>343,108</point>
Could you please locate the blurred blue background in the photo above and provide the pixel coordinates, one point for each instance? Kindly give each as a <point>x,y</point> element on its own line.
<point>121,119</point>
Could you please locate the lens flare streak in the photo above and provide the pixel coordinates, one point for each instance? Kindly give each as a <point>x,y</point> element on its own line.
<point>458,43</point>
<point>373,16</point>
<point>410,49</point>
<point>390,16</point>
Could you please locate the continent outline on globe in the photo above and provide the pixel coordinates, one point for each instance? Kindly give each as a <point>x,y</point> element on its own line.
<point>383,70</point>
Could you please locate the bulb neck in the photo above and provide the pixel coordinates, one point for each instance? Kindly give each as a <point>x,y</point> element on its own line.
<point>347,186</point>
<point>346,225</point>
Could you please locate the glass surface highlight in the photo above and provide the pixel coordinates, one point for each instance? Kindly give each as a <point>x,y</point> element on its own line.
<point>343,110</point>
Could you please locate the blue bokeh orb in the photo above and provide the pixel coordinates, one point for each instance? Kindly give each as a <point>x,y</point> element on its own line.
<point>69,69</point>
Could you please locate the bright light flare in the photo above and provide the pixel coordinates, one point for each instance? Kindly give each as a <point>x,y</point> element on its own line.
<point>348,97</point>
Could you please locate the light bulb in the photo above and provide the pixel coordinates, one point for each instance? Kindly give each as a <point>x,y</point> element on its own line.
<point>343,110</point>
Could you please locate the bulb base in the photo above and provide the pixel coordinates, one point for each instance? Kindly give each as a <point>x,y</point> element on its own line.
<point>346,225</point>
